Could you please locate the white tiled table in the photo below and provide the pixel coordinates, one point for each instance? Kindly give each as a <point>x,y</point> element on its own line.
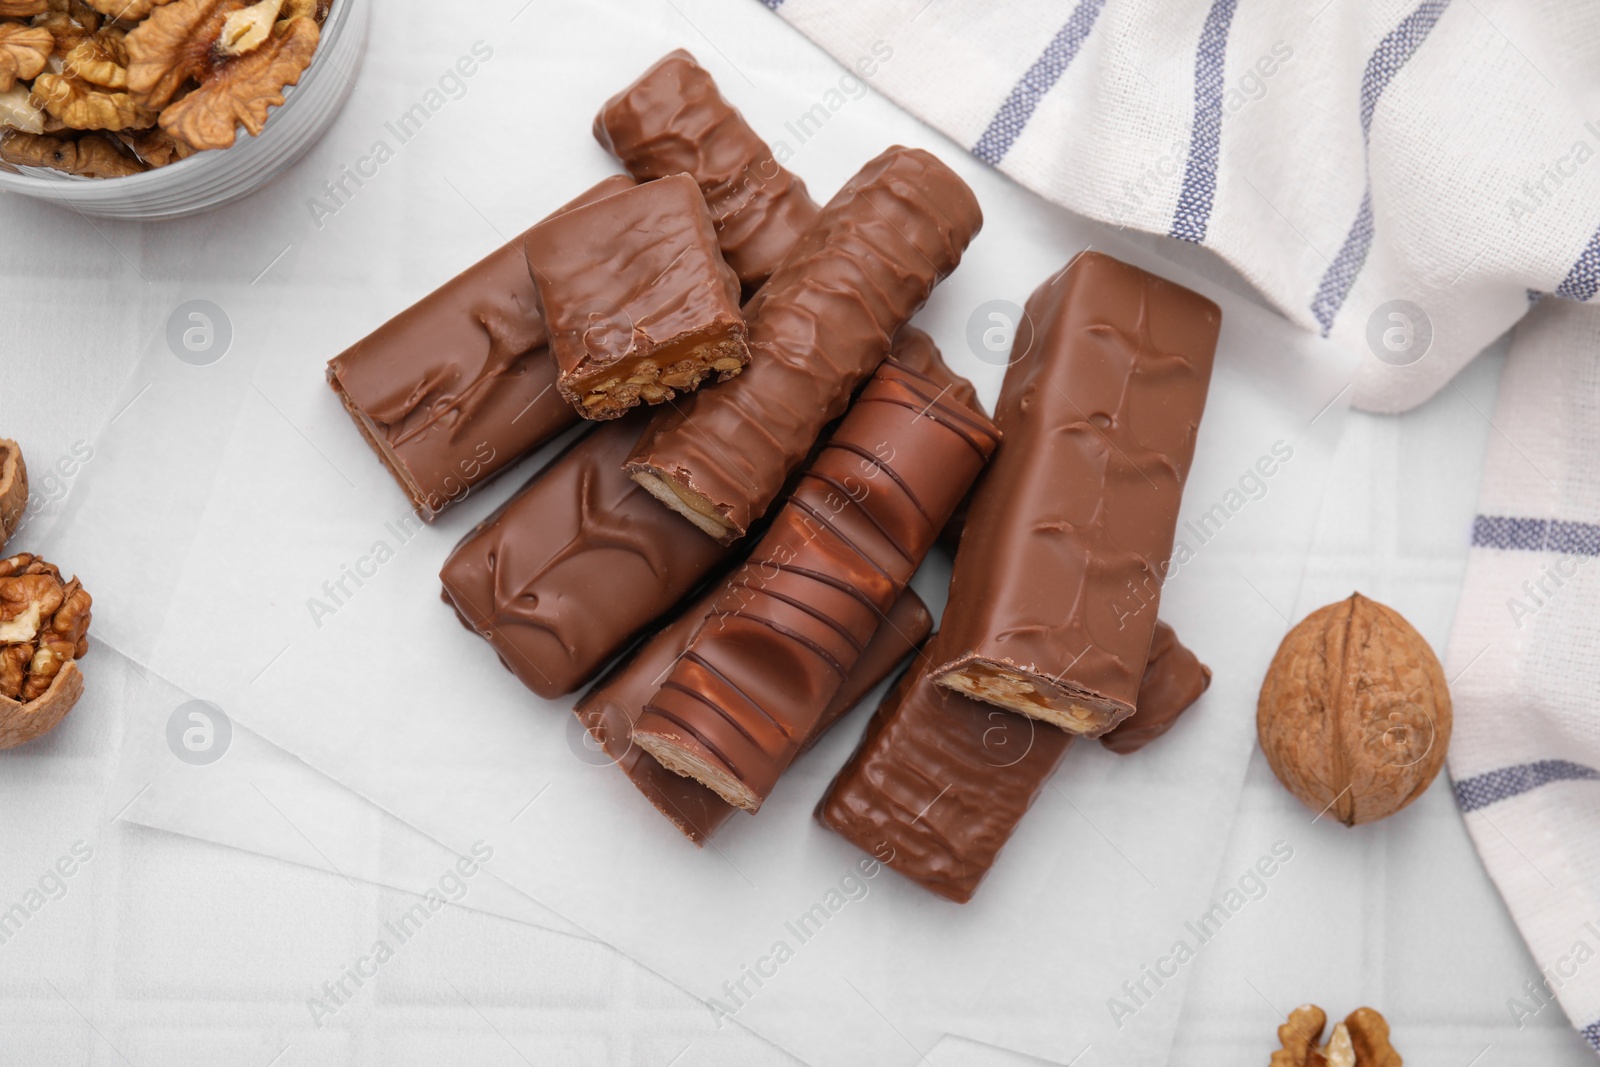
<point>164,950</point>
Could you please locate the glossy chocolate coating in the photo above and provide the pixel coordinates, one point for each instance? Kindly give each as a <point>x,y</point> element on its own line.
<point>1174,678</point>
<point>581,561</point>
<point>1057,579</point>
<point>575,566</point>
<point>637,300</point>
<point>940,782</point>
<point>672,120</point>
<point>788,626</point>
<point>817,329</point>
<point>915,349</point>
<point>459,386</point>
<point>610,709</point>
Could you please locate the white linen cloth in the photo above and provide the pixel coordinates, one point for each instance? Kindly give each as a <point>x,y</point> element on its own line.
<point>1525,662</point>
<point>1342,156</point>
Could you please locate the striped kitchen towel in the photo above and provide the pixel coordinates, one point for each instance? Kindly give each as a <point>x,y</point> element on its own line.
<point>1404,176</point>
<point>1524,660</point>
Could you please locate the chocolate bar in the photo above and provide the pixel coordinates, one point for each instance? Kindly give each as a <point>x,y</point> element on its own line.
<point>610,709</point>
<point>568,571</point>
<point>565,574</point>
<point>939,782</point>
<point>672,120</point>
<point>788,626</point>
<point>817,329</point>
<point>1174,678</point>
<point>1056,583</point>
<point>639,304</point>
<point>459,386</point>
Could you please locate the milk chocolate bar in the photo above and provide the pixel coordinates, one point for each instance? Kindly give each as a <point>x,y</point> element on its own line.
<point>1056,583</point>
<point>570,570</point>
<point>576,565</point>
<point>789,625</point>
<point>672,120</point>
<point>610,709</point>
<point>637,299</point>
<point>939,782</point>
<point>459,386</point>
<point>817,329</point>
<point>1174,678</point>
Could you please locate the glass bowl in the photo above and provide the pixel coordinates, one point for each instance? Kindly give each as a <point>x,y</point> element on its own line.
<point>210,179</point>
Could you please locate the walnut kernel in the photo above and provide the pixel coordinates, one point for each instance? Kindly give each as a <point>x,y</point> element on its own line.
<point>244,89</point>
<point>246,29</point>
<point>17,111</point>
<point>154,147</point>
<point>81,105</point>
<point>1362,1040</point>
<point>92,155</point>
<point>126,10</point>
<point>44,630</point>
<point>24,51</point>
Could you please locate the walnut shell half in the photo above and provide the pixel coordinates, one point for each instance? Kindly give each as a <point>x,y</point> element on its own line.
<point>13,489</point>
<point>21,723</point>
<point>44,630</point>
<point>1354,714</point>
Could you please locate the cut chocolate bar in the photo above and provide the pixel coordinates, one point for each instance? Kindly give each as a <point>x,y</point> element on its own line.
<point>1174,678</point>
<point>940,782</point>
<point>639,304</point>
<point>788,626</point>
<point>610,709</point>
<point>672,120</point>
<point>1053,600</point>
<point>459,386</point>
<point>818,328</point>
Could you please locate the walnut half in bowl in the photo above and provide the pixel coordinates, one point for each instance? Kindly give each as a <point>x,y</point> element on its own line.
<point>44,630</point>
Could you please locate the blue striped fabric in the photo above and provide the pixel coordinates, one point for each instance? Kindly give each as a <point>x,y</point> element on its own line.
<point>1392,53</point>
<point>1584,277</point>
<point>1536,535</point>
<point>1008,122</point>
<point>1481,790</point>
<point>773,4</point>
<point>1193,213</point>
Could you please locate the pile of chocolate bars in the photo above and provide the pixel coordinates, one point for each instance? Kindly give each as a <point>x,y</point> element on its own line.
<point>774,452</point>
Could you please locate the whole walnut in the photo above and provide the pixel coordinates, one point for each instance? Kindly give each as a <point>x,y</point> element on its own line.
<point>44,628</point>
<point>1354,714</point>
